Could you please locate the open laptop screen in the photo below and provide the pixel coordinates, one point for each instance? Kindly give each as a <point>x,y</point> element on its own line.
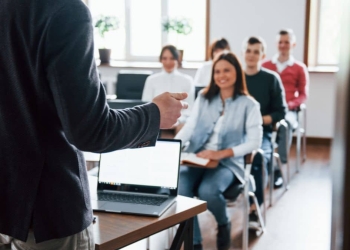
<point>149,166</point>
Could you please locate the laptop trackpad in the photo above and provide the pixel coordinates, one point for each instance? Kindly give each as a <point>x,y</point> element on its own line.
<point>117,206</point>
<point>120,207</point>
<point>98,205</point>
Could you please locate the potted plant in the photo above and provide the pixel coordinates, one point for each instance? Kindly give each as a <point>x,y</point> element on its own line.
<point>105,24</point>
<point>179,25</point>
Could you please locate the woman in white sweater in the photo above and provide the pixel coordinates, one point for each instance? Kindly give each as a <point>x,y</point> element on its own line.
<point>203,74</point>
<point>169,80</point>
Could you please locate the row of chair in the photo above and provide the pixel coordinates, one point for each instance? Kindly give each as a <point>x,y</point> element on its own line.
<point>237,189</point>
<point>130,83</point>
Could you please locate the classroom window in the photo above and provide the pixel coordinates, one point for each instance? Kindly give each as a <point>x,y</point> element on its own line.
<point>324,42</point>
<point>140,35</point>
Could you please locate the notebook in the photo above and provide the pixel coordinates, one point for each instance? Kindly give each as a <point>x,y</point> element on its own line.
<point>140,181</point>
<point>192,160</point>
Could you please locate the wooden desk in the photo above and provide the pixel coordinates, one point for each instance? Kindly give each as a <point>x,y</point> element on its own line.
<point>114,231</point>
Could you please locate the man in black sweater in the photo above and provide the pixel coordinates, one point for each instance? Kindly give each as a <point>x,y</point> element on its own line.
<point>52,105</point>
<point>266,87</point>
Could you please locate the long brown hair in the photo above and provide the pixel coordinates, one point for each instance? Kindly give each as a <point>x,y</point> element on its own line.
<point>240,87</point>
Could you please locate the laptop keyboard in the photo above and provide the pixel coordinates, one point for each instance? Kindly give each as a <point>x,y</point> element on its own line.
<point>130,198</point>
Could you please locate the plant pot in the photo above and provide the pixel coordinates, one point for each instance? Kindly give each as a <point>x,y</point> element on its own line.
<point>105,55</point>
<point>181,56</point>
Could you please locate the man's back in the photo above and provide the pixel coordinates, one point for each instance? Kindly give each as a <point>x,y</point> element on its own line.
<point>51,106</point>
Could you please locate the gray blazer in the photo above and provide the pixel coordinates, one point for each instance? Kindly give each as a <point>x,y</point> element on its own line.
<point>52,105</point>
<point>240,130</point>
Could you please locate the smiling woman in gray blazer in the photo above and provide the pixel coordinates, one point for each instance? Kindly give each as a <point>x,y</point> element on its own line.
<point>225,124</point>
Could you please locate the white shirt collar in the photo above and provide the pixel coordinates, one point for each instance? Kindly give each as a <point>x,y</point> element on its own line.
<point>289,62</point>
<point>174,72</point>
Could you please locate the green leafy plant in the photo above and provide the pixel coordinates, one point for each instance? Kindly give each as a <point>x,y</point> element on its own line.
<point>105,24</point>
<point>181,26</point>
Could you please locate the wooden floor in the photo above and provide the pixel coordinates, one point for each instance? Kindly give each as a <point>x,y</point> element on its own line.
<point>300,218</point>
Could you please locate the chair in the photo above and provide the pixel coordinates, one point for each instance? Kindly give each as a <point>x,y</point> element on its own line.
<point>130,83</point>
<point>197,89</point>
<point>237,188</point>
<point>276,158</point>
<point>301,136</point>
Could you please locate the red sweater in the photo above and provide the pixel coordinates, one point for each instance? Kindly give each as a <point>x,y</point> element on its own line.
<point>295,80</point>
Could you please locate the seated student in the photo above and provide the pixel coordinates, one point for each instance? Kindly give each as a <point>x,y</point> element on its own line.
<point>295,79</point>
<point>169,80</point>
<point>203,74</point>
<point>266,87</point>
<point>225,125</point>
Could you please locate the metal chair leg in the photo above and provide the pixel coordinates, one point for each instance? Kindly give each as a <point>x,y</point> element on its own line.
<point>304,147</point>
<point>298,148</point>
<point>262,223</point>
<point>304,135</point>
<point>271,184</point>
<point>288,174</point>
<point>287,179</point>
<point>264,186</point>
<point>301,139</point>
<point>279,165</point>
<point>245,234</point>
<point>287,153</point>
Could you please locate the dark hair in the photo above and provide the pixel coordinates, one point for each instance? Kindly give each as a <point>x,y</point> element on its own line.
<point>240,87</point>
<point>218,44</point>
<point>172,50</point>
<point>255,40</point>
<point>288,32</point>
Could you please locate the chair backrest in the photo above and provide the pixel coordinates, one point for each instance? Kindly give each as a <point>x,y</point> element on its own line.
<point>276,125</point>
<point>198,88</point>
<point>122,103</point>
<point>300,108</point>
<point>236,188</point>
<point>130,83</point>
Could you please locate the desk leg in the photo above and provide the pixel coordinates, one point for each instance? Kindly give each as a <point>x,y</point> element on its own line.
<point>184,235</point>
<point>188,241</point>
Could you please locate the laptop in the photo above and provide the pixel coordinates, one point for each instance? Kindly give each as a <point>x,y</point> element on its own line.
<point>141,181</point>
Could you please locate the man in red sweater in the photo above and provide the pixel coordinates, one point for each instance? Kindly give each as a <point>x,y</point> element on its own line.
<point>295,79</point>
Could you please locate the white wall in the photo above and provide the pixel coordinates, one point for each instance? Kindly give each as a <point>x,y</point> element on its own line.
<point>321,105</point>
<point>237,19</point>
